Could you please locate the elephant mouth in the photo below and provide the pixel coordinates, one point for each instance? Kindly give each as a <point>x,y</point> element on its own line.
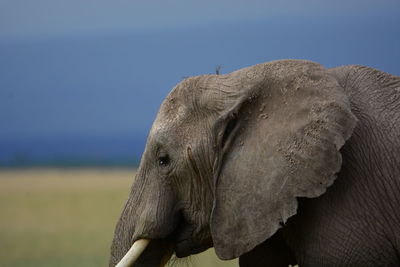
<point>188,239</point>
<point>155,253</point>
<point>181,241</point>
<point>159,251</point>
<point>187,247</point>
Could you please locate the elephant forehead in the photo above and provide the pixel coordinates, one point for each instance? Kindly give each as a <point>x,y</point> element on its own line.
<point>170,115</point>
<point>175,111</point>
<point>170,125</point>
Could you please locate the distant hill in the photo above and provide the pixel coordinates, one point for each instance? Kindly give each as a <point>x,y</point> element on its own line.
<point>71,151</point>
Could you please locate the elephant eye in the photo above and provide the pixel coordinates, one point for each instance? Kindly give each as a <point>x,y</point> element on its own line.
<point>163,160</point>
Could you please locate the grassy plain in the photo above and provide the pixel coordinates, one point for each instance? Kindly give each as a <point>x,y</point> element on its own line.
<point>66,217</point>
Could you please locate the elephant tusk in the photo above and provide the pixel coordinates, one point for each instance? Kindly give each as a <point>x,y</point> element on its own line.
<point>166,257</point>
<point>133,253</point>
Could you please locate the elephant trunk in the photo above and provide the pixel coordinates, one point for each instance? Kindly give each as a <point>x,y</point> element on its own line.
<point>148,215</point>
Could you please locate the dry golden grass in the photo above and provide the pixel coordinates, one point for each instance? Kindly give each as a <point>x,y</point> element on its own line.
<point>66,217</point>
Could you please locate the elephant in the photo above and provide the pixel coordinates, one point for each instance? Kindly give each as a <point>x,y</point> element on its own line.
<point>280,163</point>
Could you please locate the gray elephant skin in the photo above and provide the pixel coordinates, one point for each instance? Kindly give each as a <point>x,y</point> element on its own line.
<point>280,163</point>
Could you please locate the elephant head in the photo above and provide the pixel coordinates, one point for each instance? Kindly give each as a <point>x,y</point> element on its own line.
<point>228,155</point>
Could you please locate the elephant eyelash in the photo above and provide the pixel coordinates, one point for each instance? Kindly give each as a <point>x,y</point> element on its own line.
<point>228,130</point>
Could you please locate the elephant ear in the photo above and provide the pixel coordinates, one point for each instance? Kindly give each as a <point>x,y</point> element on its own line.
<point>279,140</point>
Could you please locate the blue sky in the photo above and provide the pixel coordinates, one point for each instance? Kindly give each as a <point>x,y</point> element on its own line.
<point>84,79</point>
<point>48,18</point>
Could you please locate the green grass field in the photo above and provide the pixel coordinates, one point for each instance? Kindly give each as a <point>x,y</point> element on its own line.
<point>66,217</point>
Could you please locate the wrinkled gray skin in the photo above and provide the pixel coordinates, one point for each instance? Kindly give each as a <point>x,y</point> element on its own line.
<point>231,158</point>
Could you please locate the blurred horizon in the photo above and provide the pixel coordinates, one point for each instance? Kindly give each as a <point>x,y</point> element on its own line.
<point>81,82</point>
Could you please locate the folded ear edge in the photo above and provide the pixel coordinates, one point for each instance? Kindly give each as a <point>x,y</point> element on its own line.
<point>338,127</point>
